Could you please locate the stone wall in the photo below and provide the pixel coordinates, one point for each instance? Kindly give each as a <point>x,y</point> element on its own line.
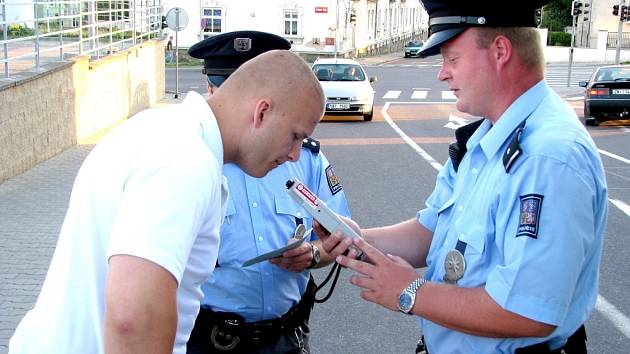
<point>44,113</point>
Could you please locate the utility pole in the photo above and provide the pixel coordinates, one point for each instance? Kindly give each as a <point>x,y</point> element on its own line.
<point>336,28</point>
<point>574,13</point>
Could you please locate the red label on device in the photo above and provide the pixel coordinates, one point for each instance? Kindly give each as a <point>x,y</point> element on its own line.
<point>306,193</point>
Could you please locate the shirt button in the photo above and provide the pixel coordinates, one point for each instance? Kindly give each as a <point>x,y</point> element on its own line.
<point>260,238</point>
<point>474,171</point>
<point>268,308</point>
<point>299,214</point>
<point>460,208</point>
<point>254,205</point>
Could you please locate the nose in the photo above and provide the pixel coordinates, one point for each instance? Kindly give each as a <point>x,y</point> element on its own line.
<point>443,75</point>
<point>294,154</point>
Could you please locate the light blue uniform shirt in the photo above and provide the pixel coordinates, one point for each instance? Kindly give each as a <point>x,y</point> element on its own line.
<point>534,235</point>
<point>261,217</point>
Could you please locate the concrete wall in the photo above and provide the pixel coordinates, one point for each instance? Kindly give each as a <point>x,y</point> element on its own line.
<point>44,113</point>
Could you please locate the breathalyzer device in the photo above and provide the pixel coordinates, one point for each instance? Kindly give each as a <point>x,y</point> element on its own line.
<point>318,209</point>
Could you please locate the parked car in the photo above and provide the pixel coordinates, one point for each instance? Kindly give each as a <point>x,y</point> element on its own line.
<point>607,95</point>
<point>346,86</point>
<point>413,48</point>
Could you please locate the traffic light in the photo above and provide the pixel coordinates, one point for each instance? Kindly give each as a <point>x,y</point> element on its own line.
<point>538,15</point>
<point>575,8</point>
<point>353,17</point>
<point>163,25</point>
<point>585,12</point>
<point>616,10</point>
<point>624,13</point>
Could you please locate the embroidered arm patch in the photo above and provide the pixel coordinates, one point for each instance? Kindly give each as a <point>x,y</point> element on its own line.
<point>333,181</point>
<point>531,205</point>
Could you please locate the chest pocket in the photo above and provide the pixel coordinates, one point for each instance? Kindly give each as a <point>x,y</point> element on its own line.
<point>229,212</point>
<point>474,230</point>
<point>287,208</point>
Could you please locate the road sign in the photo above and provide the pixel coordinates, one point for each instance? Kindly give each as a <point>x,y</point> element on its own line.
<point>177,19</point>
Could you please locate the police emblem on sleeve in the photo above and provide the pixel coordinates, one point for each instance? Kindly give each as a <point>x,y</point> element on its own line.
<point>531,205</point>
<point>333,181</point>
<point>242,44</point>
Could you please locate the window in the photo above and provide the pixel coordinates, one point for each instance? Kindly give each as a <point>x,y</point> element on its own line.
<point>291,22</point>
<point>211,20</point>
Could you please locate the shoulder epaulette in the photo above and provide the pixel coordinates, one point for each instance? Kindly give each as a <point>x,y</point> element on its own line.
<point>311,144</point>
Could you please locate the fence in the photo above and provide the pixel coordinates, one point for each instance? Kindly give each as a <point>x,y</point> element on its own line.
<point>612,40</point>
<point>36,32</point>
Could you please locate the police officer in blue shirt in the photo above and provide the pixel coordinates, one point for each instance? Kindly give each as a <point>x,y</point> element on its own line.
<point>512,233</point>
<point>263,308</point>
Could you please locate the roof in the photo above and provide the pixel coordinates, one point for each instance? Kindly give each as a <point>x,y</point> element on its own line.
<point>335,61</point>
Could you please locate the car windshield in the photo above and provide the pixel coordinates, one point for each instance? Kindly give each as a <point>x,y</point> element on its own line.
<point>414,44</point>
<point>613,74</point>
<point>338,72</point>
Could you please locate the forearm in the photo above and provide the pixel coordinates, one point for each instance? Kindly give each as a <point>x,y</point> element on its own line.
<point>408,240</point>
<point>473,311</point>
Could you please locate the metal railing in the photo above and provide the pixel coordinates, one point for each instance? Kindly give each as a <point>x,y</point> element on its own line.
<point>612,40</point>
<point>36,32</point>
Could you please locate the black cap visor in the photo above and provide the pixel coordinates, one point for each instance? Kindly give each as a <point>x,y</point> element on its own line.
<point>432,45</point>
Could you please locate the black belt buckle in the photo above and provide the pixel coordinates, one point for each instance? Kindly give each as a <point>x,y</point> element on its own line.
<point>222,339</point>
<point>420,347</point>
<point>260,331</point>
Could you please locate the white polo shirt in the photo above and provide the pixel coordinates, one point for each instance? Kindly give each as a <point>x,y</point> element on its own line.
<point>153,188</point>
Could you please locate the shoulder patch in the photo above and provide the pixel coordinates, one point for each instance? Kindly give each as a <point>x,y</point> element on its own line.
<point>311,144</point>
<point>531,205</point>
<point>333,181</point>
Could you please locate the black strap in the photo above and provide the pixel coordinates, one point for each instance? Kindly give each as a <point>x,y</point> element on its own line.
<point>576,344</point>
<point>457,149</point>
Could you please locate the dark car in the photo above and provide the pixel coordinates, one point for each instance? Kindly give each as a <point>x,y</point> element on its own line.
<point>412,49</point>
<point>607,95</point>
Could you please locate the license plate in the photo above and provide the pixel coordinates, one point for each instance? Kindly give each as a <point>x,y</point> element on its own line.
<point>621,92</point>
<point>339,106</point>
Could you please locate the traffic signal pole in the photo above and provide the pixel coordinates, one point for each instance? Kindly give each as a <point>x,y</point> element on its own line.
<point>619,34</point>
<point>574,13</point>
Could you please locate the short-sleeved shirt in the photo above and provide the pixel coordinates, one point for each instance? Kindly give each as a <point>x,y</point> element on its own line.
<point>153,188</point>
<point>533,235</point>
<point>261,217</point>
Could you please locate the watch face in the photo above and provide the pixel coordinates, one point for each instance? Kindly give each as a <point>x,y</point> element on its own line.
<point>405,302</point>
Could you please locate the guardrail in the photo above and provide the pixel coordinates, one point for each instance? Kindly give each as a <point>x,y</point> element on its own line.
<point>612,40</point>
<point>38,31</point>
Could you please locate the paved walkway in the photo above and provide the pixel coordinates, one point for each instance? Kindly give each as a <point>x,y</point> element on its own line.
<point>32,208</point>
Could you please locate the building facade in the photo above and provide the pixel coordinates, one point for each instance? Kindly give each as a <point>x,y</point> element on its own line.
<point>320,26</point>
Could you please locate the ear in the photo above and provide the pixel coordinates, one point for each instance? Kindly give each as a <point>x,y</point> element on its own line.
<point>263,106</point>
<point>502,51</point>
<point>211,89</point>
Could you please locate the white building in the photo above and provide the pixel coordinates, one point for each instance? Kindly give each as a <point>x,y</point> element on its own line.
<point>317,26</point>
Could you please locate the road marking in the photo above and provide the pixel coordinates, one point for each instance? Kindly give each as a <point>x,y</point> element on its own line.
<point>616,157</point>
<point>608,310</point>
<point>428,158</point>
<point>455,122</point>
<point>577,98</point>
<point>621,205</point>
<point>419,95</point>
<point>448,95</point>
<point>618,319</point>
<point>392,94</point>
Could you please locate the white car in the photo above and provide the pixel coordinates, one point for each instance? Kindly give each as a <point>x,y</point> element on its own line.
<point>346,86</point>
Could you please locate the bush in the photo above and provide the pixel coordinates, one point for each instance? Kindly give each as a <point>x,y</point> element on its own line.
<point>561,39</point>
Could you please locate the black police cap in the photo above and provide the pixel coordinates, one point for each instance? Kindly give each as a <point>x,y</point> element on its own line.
<point>224,53</point>
<point>447,19</point>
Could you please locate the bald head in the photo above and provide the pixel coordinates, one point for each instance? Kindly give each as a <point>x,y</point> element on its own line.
<point>272,101</point>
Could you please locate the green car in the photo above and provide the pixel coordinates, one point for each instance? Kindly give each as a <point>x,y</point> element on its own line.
<point>412,49</point>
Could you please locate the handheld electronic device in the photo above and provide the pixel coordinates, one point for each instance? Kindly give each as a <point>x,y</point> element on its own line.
<point>318,209</point>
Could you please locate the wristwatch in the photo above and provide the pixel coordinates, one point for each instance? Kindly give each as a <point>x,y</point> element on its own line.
<point>407,297</point>
<point>316,256</point>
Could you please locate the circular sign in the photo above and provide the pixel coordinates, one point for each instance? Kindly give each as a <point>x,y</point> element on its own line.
<point>177,19</point>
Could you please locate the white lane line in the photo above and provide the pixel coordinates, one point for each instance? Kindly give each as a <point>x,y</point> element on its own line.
<point>618,319</point>
<point>419,95</point>
<point>621,205</point>
<point>408,140</point>
<point>608,310</point>
<point>616,157</point>
<point>448,95</point>
<point>392,94</point>
<point>577,98</point>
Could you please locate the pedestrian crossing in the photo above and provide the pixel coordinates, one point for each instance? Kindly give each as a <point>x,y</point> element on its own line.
<point>419,95</point>
<point>557,75</point>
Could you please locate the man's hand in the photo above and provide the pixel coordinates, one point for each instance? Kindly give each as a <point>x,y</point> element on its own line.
<point>337,243</point>
<point>295,260</point>
<point>383,278</point>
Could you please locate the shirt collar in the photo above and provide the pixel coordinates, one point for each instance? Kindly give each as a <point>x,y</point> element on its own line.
<point>492,137</point>
<point>208,123</point>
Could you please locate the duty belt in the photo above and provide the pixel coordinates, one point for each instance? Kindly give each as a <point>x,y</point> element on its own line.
<point>228,329</point>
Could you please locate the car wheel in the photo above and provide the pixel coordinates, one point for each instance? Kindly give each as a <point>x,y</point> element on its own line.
<point>368,117</point>
<point>592,121</point>
<point>406,56</point>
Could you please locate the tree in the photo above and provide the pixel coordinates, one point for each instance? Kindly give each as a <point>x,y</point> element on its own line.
<point>557,15</point>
